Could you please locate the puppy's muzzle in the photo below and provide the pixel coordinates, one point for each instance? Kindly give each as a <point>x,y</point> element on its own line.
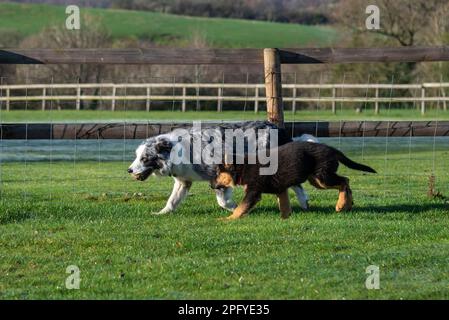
<point>216,186</point>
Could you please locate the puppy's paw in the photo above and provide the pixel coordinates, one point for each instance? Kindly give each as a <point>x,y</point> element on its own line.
<point>285,216</point>
<point>344,206</point>
<point>229,218</point>
<point>349,206</point>
<point>340,207</point>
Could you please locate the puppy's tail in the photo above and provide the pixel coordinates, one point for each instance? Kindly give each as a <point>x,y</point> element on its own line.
<point>353,165</point>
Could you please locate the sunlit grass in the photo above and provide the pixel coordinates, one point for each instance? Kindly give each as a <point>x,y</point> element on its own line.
<point>93,215</point>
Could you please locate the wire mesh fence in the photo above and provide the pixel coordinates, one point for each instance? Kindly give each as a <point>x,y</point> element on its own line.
<point>53,170</point>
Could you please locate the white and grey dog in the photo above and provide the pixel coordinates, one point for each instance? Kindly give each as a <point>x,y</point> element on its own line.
<point>153,158</point>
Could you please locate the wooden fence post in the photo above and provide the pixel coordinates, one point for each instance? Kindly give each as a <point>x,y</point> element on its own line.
<point>198,105</point>
<point>220,100</point>
<point>184,90</point>
<point>114,92</point>
<point>7,99</point>
<point>273,86</point>
<point>376,104</point>
<point>294,101</point>
<point>443,93</point>
<point>423,103</point>
<point>148,103</point>
<point>256,101</point>
<point>44,93</point>
<point>334,104</point>
<point>78,98</point>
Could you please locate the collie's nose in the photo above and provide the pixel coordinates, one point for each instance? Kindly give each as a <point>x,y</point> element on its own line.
<point>130,170</point>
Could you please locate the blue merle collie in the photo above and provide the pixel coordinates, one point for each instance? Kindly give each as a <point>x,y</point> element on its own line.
<point>153,158</point>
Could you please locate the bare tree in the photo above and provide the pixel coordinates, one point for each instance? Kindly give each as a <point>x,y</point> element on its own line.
<point>91,35</point>
<point>8,39</point>
<point>403,21</point>
<point>437,33</point>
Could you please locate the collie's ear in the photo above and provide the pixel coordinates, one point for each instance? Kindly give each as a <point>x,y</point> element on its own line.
<point>163,145</point>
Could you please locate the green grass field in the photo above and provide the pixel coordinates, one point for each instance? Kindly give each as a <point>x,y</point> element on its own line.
<point>308,115</point>
<point>165,29</point>
<point>92,215</point>
<point>56,213</point>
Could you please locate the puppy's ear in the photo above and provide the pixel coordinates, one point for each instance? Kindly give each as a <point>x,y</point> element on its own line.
<point>228,167</point>
<point>163,145</point>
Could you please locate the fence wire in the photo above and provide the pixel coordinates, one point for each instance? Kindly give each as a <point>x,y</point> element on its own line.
<point>52,170</point>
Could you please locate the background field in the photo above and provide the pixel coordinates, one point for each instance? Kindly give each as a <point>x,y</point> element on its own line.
<point>310,115</point>
<point>79,207</point>
<point>166,29</point>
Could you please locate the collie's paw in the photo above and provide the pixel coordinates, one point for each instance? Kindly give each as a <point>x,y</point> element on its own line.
<point>162,212</point>
<point>231,207</point>
<point>304,205</point>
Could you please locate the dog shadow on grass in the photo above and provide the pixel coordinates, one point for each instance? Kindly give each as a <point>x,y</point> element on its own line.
<point>380,209</point>
<point>370,209</point>
<point>16,216</point>
<point>402,208</point>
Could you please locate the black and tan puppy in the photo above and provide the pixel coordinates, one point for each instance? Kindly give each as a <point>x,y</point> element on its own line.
<point>298,162</point>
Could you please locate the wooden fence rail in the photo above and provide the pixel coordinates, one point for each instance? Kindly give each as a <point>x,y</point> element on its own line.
<point>175,56</point>
<point>418,94</point>
<point>143,130</point>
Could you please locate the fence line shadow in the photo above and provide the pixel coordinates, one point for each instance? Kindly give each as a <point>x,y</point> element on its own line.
<point>375,209</point>
<point>380,209</point>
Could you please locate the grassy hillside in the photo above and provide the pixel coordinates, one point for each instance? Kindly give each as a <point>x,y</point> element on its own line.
<point>28,19</point>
